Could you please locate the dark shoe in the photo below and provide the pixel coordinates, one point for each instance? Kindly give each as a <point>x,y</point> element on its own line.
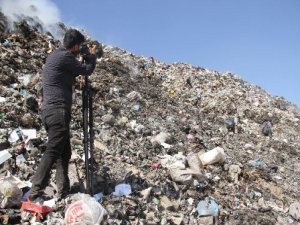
<point>36,199</point>
<point>61,196</point>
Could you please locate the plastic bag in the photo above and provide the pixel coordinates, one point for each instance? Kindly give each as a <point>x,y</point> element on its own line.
<point>182,176</point>
<point>10,194</point>
<point>194,162</point>
<point>86,211</point>
<point>208,207</point>
<point>213,156</point>
<point>4,155</point>
<point>122,190</point>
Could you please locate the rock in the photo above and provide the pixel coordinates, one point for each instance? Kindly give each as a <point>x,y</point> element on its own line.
<point>294,210</point>
<point>123,121</point>
<point>4,144</point>
<point>183,176</point>
<point>234,172</point>
<point>27,120</point>
<point>134,96</point>
<point>166,203</point>
<point>230,124</point>
<point>146,193</point>
<point>162,137</point>
<point>177,220</point>
<point>32,104</point>
<point>208,220</point>
<point>150,217</point>
<point>267,129</point>
<point>100,146</point>
<point>284,221</point>
<point>195,163</point>
<point>108,119</point>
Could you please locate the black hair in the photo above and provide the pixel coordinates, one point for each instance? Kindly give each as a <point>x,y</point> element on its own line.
<point>72,37</point>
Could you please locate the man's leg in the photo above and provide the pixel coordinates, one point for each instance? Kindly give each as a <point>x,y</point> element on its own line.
<point>62,169</point>
<point>57,137</point>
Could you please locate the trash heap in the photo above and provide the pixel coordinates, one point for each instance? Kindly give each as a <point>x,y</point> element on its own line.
<point>174,144</point>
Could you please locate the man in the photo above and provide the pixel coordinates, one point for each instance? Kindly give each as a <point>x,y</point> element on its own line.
<point>58,76</point>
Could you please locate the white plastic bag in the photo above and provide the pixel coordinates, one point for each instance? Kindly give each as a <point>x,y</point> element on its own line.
<point>213,156</point>
<point>10,194</point>
<point>4,155</point>
<point>182,176</point>
<point>86,211</point>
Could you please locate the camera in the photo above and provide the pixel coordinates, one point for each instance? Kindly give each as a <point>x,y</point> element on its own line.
<point>84,49</point>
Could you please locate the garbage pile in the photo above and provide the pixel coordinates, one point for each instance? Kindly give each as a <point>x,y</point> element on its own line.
<point>174,144</point>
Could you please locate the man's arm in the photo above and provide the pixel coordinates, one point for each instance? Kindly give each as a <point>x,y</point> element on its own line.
<point>78,68</point>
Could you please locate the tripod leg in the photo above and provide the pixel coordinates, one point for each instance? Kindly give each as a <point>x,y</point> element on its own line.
<point>91,138</point>
<point>85,134</point>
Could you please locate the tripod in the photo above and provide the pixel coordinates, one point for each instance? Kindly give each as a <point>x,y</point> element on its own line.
<point>88,133</point>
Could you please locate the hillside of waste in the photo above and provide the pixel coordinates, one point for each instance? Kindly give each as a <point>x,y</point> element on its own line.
<point>153,123</point>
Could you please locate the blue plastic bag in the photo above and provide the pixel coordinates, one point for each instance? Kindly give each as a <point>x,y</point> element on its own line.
<point>208,207</point>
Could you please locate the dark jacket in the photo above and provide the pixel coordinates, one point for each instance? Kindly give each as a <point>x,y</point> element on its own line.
<point>58,77</point>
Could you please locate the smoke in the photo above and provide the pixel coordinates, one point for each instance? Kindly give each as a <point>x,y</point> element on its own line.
<point>42,12</point>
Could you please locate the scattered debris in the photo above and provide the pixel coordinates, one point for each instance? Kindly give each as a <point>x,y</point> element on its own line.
<point>172,134</point>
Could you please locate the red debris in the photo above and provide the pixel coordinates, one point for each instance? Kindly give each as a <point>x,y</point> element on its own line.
<point>40,211</point>
<point>155,166</point>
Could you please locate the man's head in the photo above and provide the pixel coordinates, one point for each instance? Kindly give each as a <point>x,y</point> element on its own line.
<point>73,39</point>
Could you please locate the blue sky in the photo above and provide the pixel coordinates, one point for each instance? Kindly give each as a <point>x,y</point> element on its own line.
<point>259,40</point>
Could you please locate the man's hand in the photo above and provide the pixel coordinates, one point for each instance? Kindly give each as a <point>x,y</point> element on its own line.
<point>93,49</point>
